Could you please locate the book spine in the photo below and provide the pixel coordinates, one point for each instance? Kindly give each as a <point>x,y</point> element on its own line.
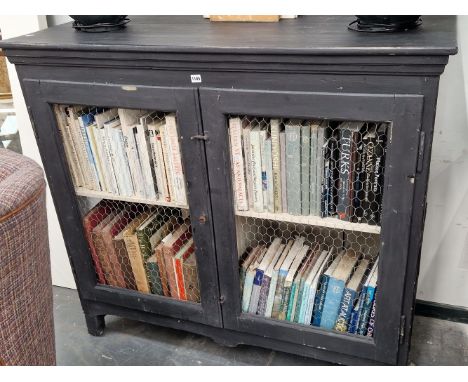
<point>129,134</point>
<point>263,299</point>
<point>353,320</point>
<point>292,302</point>
<point>179,279</point>
<point>162,270</point>
<point>247,293</point>
<point>276,164</point>
<point>103,259</point>
<point>121,250</point>
<point>162,166</point>
<point>304,302</point>
<point>345,310</point>
<point>178,172</point>
<point>278,295</point>
<point>343,208</point>
<point>170,271</point>
<point>332,303</point>
<point>255,295</point>
<point>293,169</point>
<point>255,157</point>
<point>285,301</point>
<point>371,325</point>
<point>136,261</point>
<point>75,158</point>
<point>167,162</point>
<point>378,184</point>
<point>263,169</point>
<point>240,194</point>
<point>320,300</point>
<point>305,169</point>
<point>248,165</point>
<point>192,289</point>
<point>94,255</point>
<point>154,278</point>
<point>89,156</point>
<point>269,176</point>
<point>107,145</point>
<point>314,208</point>
<point>271,294</point>
<point>368,196</point>
<point>90,129</point>
<point>81,151</point>
<point>284,197</point>
<point>156,164</point>
<point>365,312</point>
<point>125,166</point>
<point>359,308</point>
<point>114,260</point>
<point>299,296</point>
<point>105,166</point>
<point>143,147</point>
<point>115,159</point>
<point>320,162</point>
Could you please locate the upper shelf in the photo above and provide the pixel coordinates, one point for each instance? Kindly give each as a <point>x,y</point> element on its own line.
<point>306,35</point>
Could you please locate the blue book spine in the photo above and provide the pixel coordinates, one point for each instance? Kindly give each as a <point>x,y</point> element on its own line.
<point>345,310</point>
<point>291,302</point>
<point>304,301</point>
<point>332,303</point>
<point>371,325</point>
<point>365,311</point>
<point>353,321</point>
<point>320,300</point>
<point>84,121</point>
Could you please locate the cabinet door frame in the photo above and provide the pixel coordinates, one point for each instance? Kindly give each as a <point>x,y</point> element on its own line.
<point>405,113</point>
<point>41,95</point>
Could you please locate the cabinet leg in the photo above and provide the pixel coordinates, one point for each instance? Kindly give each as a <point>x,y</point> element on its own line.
<point>95,324</point>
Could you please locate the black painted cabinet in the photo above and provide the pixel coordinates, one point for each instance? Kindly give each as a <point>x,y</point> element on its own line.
<point>207,77</point>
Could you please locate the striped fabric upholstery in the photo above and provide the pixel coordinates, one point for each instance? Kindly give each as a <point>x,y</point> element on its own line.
<point>26,312</point>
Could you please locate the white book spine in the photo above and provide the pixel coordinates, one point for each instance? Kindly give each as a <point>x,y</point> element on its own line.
<point>248,165</point>
<point>117,162</point>
<point>284,198</point>
<point>160,157</point>
<point>152,134</point>
<point>106,145</point>
<point>142,146</point>
<point>128,132</point>
<point>105,167</point>
<point>75,159</point>
<point>255,157</point>
<point>94,178</point>
<point>247,292</point>
<point>269,176</point>
<point>127,177</point>
<point>263,135</point>
<point>276,164</point>
<point>97,159</point>
<point>178,171</point>
<point>237,162</point>
<point>168,162</point>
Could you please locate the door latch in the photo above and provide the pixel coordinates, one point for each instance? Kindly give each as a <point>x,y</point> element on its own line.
<point>199,137</point>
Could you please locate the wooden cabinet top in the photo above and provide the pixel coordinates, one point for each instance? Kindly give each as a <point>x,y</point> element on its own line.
<point>306,35</point>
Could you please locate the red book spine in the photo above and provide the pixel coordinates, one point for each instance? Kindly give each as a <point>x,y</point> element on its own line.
<point>89,223</point>
<point>180,274</point>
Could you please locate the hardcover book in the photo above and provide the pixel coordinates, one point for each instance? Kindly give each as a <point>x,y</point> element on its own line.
<point>276,164</point>
<point>237,164</point>
<point>305,168</point>
<point>191,284</point>
<point>349,135</point>
<point>249,278</point>
<point>181,256</point>
<point>284,197</point>
<point>336,285</point>
<point>350,295</point>
<point>256,160</point>
<point>258,278</point>
<point>293,166</point>
<point>319,299</point>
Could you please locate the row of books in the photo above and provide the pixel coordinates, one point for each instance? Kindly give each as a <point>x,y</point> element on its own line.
<point>148,250</point>
<point>308,167</point>
<point>125,152</point>
<point>328,288</point>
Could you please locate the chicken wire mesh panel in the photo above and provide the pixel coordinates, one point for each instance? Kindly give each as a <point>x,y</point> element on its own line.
<point>308,198</point>
<point>127,171</point>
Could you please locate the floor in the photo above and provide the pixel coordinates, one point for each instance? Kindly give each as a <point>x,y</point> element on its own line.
<point>125,342</point>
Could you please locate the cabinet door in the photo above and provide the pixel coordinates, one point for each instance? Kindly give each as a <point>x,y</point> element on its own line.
<point>333,175</point>
<point>131,193</point>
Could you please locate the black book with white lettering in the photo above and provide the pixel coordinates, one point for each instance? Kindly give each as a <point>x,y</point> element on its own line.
<point>349,133</point>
